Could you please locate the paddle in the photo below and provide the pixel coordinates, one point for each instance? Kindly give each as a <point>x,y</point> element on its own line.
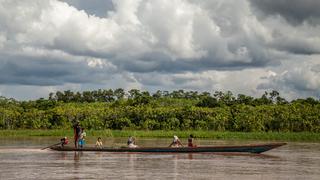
<point>50,146</point>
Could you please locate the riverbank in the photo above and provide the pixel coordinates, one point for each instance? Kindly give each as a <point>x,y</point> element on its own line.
<point>281,136</point>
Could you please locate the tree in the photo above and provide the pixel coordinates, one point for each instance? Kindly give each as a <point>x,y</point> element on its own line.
<point>263,100</point>
<point>134,93</point>
<point>209,101</point>
<point>157,94</point>
<point>108,95</point>
<point>87,96</point>
<point>119,93</point>
<point>243,99</point>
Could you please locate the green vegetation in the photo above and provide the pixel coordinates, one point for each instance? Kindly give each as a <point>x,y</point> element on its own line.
<point>281,136</point>
<point>167,111</point>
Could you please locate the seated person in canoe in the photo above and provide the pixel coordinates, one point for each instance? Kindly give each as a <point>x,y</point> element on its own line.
<point>131,142</point>
<point>64,141</point>
<point>99,143</point>
<point>176,142</point>
<point>190,141</point>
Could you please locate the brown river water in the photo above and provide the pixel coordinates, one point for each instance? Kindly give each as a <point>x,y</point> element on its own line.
<point>22,158</point>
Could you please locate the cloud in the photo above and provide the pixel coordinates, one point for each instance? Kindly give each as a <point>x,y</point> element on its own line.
<point>154,43</point>
<point>293,25</point>
<point>240,81</point>
<point>296,79</point>
<point>190,35</point>
<point>41,67</point>
<point>294,11</point>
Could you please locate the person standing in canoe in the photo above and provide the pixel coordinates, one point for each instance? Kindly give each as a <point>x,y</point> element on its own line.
<point>176,142</point>
<point>190,141</point>
<point>76,132</point>
<point>82,141</point>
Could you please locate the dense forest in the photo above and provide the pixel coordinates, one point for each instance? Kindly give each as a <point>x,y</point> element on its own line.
<point>162,110</point>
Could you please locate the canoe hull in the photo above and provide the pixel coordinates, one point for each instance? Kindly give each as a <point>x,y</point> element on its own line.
<point>260,148</point>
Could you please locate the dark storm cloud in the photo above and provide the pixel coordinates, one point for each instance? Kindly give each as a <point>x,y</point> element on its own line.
<point>46,71</point>
<point>294,24</point>
<point>295,44</point>
<point>294,11</point>
<point>159,62</point>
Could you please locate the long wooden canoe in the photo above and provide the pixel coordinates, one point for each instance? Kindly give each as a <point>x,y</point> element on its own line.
<point>258,148</point>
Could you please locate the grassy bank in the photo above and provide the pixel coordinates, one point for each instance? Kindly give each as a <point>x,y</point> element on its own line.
<point>281,136</point>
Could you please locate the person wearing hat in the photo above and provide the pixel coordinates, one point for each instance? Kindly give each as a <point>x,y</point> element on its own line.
<point>176,142</point>
<point>64,141</point>
<point>131,142</point>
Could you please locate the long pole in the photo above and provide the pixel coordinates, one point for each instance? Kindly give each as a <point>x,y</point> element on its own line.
<point>51,146</point>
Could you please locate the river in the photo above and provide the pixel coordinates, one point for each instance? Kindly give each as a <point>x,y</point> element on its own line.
<point>22,158</point>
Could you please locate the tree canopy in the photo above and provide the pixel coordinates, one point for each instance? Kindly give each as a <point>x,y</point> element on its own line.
<point>162,110</point>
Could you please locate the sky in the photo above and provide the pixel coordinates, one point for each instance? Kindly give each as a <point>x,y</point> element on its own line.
<point>243,46</point>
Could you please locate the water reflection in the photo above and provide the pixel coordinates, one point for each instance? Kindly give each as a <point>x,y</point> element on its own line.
<point>132,158</point>
<point>175,166</point>
<point>247,154</point>
<point>63,156</point>
<point>77,155</point>
<point>98,154</point>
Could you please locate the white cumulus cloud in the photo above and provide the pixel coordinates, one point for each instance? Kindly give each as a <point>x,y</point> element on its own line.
<point>166,44</point>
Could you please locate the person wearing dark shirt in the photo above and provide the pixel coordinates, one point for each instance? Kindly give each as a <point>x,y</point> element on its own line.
<point>76,131</point>
<point>190,141</point>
